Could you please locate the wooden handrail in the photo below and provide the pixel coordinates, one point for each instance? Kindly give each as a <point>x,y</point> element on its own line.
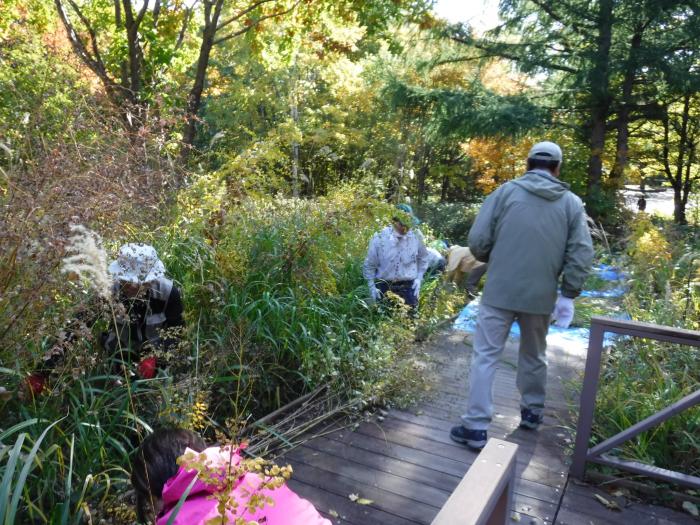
<point>582,452</point>
<point>485,494</point>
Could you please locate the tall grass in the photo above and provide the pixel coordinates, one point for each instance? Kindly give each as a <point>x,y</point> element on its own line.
<point>275,305</point>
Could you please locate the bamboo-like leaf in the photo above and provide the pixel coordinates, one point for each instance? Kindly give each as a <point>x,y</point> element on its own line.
<point>180,502</point>
<point>69,482</point>
<point>10,473</point>
<point>18,426</point>
<point>28,462</point>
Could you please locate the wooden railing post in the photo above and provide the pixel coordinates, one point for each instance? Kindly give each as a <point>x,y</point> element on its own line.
<point>588,395</point>
<point>485,494</point>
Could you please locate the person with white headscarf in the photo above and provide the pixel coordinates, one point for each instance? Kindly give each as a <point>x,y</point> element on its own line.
<point>148,312</point>
<point>152,306</point>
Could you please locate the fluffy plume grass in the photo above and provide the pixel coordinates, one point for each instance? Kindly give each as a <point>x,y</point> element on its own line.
<point>88,260</point>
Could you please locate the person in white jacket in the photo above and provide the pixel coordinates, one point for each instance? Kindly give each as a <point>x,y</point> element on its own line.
<point>396,261</point>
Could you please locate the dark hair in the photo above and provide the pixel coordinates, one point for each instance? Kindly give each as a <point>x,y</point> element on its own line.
<point>542,164</point>
<point>155,463</point>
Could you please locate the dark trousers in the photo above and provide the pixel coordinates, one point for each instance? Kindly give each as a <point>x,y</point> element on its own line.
<point>403,289</point>
<point>472,281</point>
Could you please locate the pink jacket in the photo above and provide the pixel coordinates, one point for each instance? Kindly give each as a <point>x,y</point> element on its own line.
<point>200,505</point>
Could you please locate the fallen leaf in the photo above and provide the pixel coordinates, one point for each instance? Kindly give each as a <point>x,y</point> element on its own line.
<point>364,501</point>
<point>353,497</point>
<point>333,513</point>
<point>609,504</point>
<point>691,508</point>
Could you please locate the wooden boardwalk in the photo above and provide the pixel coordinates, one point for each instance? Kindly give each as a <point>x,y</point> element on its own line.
<point>403,464</point>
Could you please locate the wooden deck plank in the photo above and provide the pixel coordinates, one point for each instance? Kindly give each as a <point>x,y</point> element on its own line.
<point>579,499</point>
<point>530,447</point>
<point>380,486</point>
<point>399,507</point>
<point>372,478</point>
<point>529,468</point>
<point>422,465</point>
<point>581,506</point>
<point>340,510</point>
<point>408,465</point>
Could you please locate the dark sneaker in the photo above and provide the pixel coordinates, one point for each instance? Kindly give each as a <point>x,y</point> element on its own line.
<point>475,439</point>
<point>530,420</point>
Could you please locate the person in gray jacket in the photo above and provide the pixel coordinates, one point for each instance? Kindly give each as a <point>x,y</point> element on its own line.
<point>531,231</point>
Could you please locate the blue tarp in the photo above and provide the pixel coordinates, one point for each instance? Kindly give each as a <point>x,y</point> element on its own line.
<point>609,273</point>
<point>466,321</point>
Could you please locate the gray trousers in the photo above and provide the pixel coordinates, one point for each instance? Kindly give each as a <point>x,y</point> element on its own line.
<point>492,328</point>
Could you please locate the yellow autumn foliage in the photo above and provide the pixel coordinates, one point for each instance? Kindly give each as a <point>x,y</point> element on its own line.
<point>497,160</point>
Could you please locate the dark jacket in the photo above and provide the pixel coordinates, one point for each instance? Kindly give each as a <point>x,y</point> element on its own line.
<point>146,318</point>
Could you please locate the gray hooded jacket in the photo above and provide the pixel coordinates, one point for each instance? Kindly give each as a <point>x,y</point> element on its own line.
<point>532,230</point>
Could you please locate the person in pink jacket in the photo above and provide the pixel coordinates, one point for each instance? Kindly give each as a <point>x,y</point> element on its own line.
<point>159,483</point>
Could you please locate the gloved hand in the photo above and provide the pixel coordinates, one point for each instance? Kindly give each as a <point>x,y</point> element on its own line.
<point>416,286</point>
<point>563,312</point>
<point>373,292</point>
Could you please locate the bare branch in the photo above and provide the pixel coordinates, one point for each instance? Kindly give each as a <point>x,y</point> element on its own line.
<point>94,62</point>
<point>207,12</point>
<point>502,53</point>
<point>242,13</point>
<point>156,13</point>
<point>128,12</point>
<point>118,14</point>
<point>142,13</point>
<point>91,32</point>
<point>256,23</point>
<point>547,8</point>
<point>185,24</point>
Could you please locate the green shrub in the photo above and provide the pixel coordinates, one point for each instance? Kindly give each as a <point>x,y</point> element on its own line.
<point>450,221</point>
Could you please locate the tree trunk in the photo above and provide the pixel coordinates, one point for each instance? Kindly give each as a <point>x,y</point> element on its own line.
<point>598,82</point>
<point>135,62</point>
<point>623,117</point>
<point>678,207</point>
<point>194,100</point>
<point>445,188</point>
<point>678,200</point>
<point>422,175</point>
<point>675,174</point>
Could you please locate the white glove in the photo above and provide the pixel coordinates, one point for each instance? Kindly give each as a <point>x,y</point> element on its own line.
<point>416,286</point>
<point>373,292</point>
<point>563,312</point>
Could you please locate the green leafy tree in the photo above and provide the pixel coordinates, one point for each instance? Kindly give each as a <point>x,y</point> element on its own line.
<point>602,61</point>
